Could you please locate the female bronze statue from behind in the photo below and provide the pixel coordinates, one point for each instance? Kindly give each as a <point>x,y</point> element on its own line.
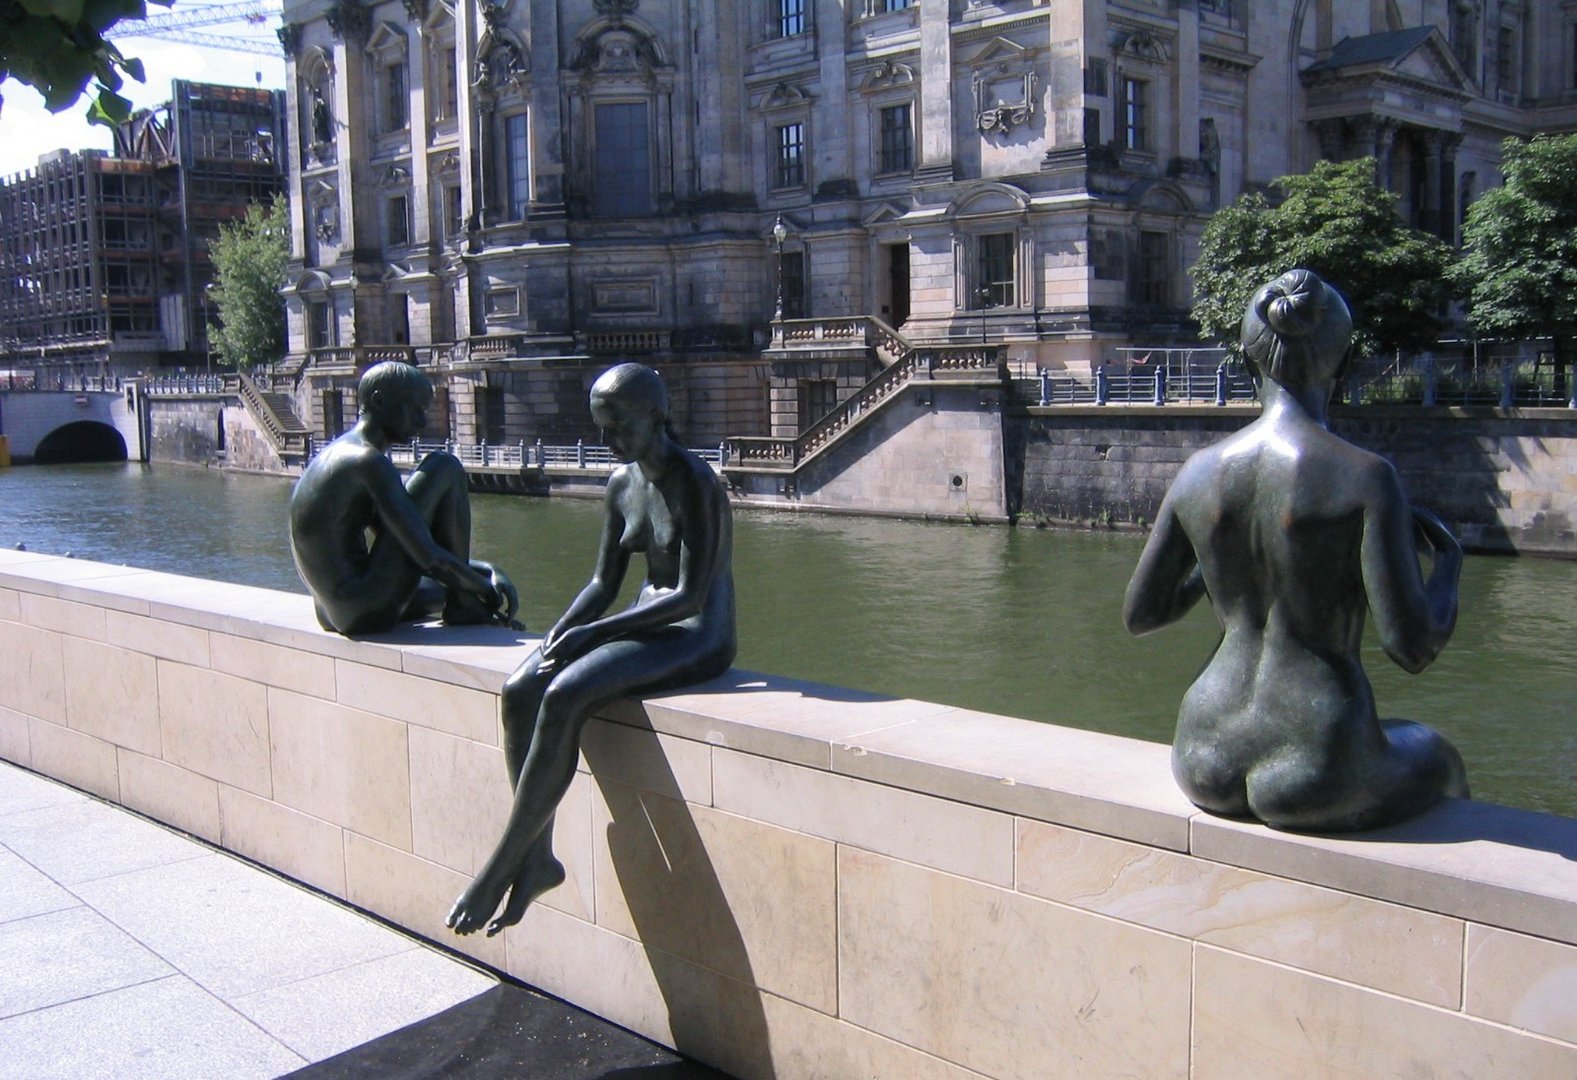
<point>1294,534</point>
<point>668,505</point>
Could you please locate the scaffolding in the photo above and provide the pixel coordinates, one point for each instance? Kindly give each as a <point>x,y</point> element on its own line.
<point>104,262</point>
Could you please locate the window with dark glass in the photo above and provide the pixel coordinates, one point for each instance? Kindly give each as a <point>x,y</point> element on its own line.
<point>881,7</point>
<point>793,271</point>
<point>791,156</point>
<point>623,185</point>
<point>454,216</point>
<point>1155,268</point>
<point>395,100</point>
<point>817,398</point>
<point>1506,67</point>
<point>996,278</point>
<point>897,139</point>
<point>1135,120</point>
<point>318,324</point>
<point>790,17</point>
<point>517,164</point>
<point>398,224</point>
<point>1463,33</point>
<point>333,414</point>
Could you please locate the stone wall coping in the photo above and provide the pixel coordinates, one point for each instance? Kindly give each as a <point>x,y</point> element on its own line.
<point>1491,864</point>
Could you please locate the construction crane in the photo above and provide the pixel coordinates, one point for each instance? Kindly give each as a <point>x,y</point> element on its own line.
<point>179,26</point>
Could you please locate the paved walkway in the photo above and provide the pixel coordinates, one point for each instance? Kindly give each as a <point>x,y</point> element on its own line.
<point>128,950</point>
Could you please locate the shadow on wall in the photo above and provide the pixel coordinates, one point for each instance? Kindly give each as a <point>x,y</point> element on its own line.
<point>682,915</point>
<point>83,440</point>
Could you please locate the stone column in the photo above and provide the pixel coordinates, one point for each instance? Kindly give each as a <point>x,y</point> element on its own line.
<point>936,92</point>
<point>547,121</point>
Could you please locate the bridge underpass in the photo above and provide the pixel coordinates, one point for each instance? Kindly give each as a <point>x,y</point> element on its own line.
<point>54,427</point>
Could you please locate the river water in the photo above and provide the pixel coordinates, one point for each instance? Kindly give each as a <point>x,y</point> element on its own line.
<point>1018,621</point>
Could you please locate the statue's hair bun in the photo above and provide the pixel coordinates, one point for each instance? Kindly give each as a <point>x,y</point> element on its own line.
<point>1293,303</point>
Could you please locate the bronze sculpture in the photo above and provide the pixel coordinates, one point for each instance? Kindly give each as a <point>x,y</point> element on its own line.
<point>667,504</point>
<point>1292,533</point>
<point>374,551</point>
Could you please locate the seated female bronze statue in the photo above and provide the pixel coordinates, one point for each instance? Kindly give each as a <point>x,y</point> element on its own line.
<point>1293,534</point>
<point>670,506</point>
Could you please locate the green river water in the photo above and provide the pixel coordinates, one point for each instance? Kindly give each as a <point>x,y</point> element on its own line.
<point>1018,621</point>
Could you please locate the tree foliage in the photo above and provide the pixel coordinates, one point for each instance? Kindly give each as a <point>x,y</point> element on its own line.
<point>249,260</point>
<point>1518,270</point>
<point>58,46</point>
<point>1336,221</point>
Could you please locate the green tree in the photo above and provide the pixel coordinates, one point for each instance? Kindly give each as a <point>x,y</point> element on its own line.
<point>249,260</point>
<point>57,46</point>
<point>1518,270</point>
<point>1336,221</point>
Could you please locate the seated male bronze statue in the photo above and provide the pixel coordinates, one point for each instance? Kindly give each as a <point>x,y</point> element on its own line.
<point>1294,534</point>
<point>664,503</point>
<point>374,551</point>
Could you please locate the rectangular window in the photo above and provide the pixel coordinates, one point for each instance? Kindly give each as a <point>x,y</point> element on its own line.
<point>882,7</point>
<point>997,278</point>
<point>503,302</point>
<point>790,19</point>
<point>1135,120</point>
<point>1092,127</point>
<point>333,414</point>
<point>897,153</point>
<point>395,99</point>
<point>398,221</point>
<point>817,398</point>
<point>454,214</point>
<point>448,84</point>
<point>623,161</point>
<point>318,324</point>
<point>1506,66</point>
<point>517,164</point>
<point>1095,77</point>
<point>793,271</point>
<point>791,156</point>
<point>1155,268</point>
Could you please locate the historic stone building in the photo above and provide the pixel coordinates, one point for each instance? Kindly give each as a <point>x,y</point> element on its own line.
<point>521,191</point>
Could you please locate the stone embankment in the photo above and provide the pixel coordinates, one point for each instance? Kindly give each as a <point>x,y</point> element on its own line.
<point>791,880</point>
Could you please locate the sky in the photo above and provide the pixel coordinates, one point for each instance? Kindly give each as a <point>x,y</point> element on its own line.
<point>27,129</point>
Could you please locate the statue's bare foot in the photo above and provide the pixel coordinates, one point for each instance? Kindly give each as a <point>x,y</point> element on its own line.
<point>476,904</point>
<point>537,878</point>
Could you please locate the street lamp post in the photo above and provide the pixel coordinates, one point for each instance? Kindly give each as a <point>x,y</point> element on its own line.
<point>779,234</point>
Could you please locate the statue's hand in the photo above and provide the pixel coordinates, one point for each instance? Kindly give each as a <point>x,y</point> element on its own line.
<point>505,599</point>
<point>562,646</point>
<point>1432,536</point>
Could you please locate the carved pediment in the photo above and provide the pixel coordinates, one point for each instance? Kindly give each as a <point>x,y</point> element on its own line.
<point>1140,44</point>
<point>989,199</point>
<point>784,96</point>
<point>887,74</point>
<point>388,39</point>
<point>1002,51</point>
<point>885,214</point>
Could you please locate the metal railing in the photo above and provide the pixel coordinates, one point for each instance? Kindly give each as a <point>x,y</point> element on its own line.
<point>1508,385</point>
<point>537,455</point>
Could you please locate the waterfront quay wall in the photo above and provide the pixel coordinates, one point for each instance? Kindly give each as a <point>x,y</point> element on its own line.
<point>1504,480</point>
<point>790,880</point>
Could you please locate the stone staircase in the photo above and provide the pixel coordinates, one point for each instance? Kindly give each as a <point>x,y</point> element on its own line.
<point>275,414</point>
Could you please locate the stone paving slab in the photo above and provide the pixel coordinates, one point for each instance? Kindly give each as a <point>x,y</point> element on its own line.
<point>128,950</point>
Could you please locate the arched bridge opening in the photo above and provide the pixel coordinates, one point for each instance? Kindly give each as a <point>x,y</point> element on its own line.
<point>81,440</point>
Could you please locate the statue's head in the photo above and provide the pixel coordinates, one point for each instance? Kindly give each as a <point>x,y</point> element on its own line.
<point>632,386</point>
<point>1296,331</point>
<point>386,387</point>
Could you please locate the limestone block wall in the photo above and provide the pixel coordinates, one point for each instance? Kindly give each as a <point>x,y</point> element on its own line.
<point>790,880</point>
<point>1502,480</point>
<point>185,429</point>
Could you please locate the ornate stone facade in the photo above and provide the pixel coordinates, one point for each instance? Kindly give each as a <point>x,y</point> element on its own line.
<point>508,185</point>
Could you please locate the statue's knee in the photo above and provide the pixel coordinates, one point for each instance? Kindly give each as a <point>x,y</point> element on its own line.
<point>442,465</point>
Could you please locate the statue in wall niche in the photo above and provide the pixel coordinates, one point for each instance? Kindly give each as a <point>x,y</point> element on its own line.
<point>669,505</point>
<point>1293,533</point>
<point>375,551</point>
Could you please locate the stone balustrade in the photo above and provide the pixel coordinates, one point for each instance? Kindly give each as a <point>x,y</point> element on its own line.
<point>792,880</point>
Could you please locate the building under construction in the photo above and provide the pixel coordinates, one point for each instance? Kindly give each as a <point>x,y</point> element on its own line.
<point>104,263</point>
